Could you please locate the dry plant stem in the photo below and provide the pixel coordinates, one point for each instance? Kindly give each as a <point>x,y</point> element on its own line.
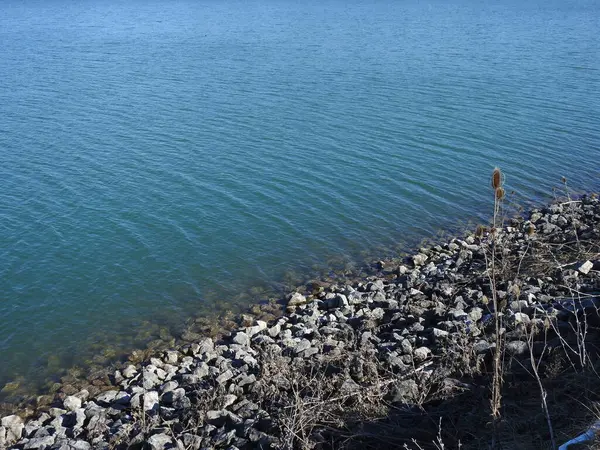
<point>496,400</point>
<point>535,365</point>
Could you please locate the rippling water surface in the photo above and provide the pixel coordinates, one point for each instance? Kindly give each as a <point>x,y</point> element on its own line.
<point>158,157</point>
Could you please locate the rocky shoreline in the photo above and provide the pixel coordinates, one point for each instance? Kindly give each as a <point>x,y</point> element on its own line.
<point>366,363</point>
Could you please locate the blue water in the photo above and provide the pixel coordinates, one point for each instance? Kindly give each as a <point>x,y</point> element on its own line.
<point>158,158</point>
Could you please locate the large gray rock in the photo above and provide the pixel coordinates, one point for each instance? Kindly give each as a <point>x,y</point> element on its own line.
<point>40,442</point>
<point>202,370</point>
<point>260,326</point>
<point>13,426</point>
<point>71,403</point>
<point>225,376</point>
<point>274,330</point>
<point>151,401</point>
<point>171,357</point>
<point>107,397</point>
<point>296,299</point>
<point>419,259</point>
<point>159,442</point>
<point>173,396</point>
<point>241,338</point>
<point>129,372</point>
<point>149,379</point>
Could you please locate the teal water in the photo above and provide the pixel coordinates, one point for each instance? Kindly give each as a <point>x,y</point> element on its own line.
<point>158,157</point>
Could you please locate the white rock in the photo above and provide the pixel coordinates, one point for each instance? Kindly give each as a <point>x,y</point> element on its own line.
<point>521,318</point>
<point>129,371</point>
<point>586,267</point>
<point>297,299</point>
<point>14,428</point>
<point>419,259</point>
<point>71,403</point>
<point>40,442</point>
<point>421,353</point>
<point>159,441</point>
<point>260,326</point>
<point>171,357</point>
<point>151,401</point>
<point>107,397</point>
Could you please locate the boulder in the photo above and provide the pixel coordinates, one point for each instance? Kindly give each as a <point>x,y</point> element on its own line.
<point>13,426</point>
<point>160,442</point>
<point>71,403</point>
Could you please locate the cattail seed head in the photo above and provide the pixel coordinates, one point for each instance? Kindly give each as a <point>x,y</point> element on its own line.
<point>500,193</point>
<point>496,178</point>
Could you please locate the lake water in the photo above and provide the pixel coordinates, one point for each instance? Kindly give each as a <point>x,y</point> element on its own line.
<point>158,158</point>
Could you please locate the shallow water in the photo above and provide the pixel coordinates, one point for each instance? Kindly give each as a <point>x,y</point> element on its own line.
<point>158,158</point>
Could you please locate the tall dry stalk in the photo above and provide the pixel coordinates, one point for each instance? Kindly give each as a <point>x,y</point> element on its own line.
<point>496,400</point>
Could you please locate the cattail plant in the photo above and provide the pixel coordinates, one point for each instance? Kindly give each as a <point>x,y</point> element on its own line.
<point>499,193</point>
<point>496,401</point>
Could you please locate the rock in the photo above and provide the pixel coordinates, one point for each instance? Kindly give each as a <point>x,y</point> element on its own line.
<point>192,441</point>
<point>159,442</point>
<point>71,403</point>
<point>301,346</point>
<point>190,336</point>
<point>202,370</point>
<point>217,417</point>
<point>419,259</point>
<point>260,326</point>
<point>378,313</point>
<point>421,353</point>
<point>223,438</point>
<point>482,347</point>
<point>585,267</point>
<point>122,398</point>
<point>13,426</point>
<point>3,442</point>
<point>96,425</point>
<point>296,299</point>
<point>437,333</point>
<point>244,380</point>
<point>521,318</point>
<point>406,391</point>
<point>171,357</point>
<point>73,444</point>
<point>173,396</point>
<point>79,418</point>
<point>149,379</point>
<point>107,397</point>
<point>169,386</point>
<point>56,412</point>
<point>151,401</point>
<point>338,301</point>
<point>224,377</point>
<point>274,330</point>
<point>40,442</point>
<point>241,338</point>
<point>229,400</point>
<point>516,348</point>
<point>129,372</point>
<point>406,347</point>
<point>205,346</point>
